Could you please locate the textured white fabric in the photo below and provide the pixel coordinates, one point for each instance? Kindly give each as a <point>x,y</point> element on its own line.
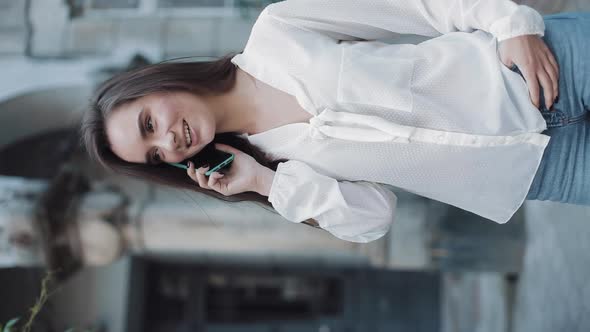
<point>444,119</point>
<point>352,211</point>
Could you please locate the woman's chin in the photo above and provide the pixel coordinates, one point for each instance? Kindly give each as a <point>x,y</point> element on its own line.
<point>192,154</point>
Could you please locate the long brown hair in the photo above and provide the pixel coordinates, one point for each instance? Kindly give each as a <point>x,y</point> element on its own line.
<point>198,77</point>
<point>204,78</point>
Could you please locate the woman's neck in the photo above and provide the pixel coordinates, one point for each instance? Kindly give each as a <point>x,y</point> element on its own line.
<point>236,110</point>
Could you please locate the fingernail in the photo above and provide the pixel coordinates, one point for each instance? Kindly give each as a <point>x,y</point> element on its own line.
<point>189,164</point>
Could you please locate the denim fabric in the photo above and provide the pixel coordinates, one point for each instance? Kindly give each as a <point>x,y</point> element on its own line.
<point>564,172</point>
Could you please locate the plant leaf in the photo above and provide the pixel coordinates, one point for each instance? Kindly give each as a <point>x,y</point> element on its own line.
<point>10,324</point>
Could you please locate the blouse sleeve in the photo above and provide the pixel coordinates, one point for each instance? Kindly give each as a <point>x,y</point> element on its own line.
<point>352,211</point>
<point>374,19</point>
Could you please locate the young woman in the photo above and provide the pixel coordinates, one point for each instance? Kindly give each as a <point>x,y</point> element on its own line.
<point>319,112</point>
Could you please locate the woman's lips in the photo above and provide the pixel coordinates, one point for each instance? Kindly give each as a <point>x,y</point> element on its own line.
<point>185,125</point>
<point>193,135</point>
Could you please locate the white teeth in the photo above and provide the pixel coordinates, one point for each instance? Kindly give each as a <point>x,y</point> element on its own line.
<point>187,134</point>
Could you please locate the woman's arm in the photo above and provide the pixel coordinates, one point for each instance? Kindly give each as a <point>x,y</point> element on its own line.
<point>352,211</point>
<point>375,19</point>
<point>263,184</point>
<point>264,177</point>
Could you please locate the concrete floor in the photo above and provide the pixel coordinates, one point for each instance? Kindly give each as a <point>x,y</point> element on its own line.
<point>554,289</point>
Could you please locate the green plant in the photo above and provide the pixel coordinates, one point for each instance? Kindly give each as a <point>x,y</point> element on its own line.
<point>43,297</point>
<point>9,325</point>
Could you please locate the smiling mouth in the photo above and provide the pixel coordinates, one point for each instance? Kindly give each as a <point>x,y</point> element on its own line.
<point>187,134</point>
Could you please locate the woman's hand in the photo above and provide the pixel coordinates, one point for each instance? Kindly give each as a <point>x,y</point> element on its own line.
<point>536,63</point>
<point>240,177</point>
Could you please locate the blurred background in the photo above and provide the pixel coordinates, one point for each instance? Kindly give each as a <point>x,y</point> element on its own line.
<point>133,256</point>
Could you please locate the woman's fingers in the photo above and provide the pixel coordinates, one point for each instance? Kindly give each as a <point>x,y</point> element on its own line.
<point>190,171</point>
<point>548,89</point>
<point>553,72</point>
<point>201,178</point>
<point>544,77</point>
<point>212,182</point>
<point>215,183</point>
<point>537,65</point>
<point>198,175</point>
<point>551,68</point>
<point>554,79</point>
<point>533,84</point>
<point>553,63</point>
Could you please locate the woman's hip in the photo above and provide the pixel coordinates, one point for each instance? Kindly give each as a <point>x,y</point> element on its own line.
<point>566,35</point>
<point>564,173</point>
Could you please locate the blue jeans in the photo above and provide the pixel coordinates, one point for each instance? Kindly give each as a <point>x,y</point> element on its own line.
<point>564,172</point>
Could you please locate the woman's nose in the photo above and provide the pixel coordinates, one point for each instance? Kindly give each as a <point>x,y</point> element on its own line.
<point>170,141</point>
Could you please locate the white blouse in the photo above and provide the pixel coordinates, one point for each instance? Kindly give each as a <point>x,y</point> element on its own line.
<point>444,119</point>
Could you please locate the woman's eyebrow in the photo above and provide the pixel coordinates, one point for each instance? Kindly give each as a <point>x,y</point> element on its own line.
<point>142,133</point>
<point>140,125</point>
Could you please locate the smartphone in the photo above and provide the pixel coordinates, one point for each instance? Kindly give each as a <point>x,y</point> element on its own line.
<point>216,159</point>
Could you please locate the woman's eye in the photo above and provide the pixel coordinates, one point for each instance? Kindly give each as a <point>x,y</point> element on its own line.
<point>149,125</point>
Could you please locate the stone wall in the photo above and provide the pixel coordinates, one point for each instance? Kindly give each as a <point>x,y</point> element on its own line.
<point>53,31</point>
<point>13,28</point>
<point>50,28</point>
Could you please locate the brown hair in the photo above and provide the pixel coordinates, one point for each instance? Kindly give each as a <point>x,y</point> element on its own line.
<point>201,78</point>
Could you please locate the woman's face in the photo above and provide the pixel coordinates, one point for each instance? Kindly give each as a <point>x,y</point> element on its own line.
<point>152,128</point>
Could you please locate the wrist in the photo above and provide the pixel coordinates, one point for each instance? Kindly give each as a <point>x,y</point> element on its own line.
<point>264,180</point>
<point>523,21</point>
